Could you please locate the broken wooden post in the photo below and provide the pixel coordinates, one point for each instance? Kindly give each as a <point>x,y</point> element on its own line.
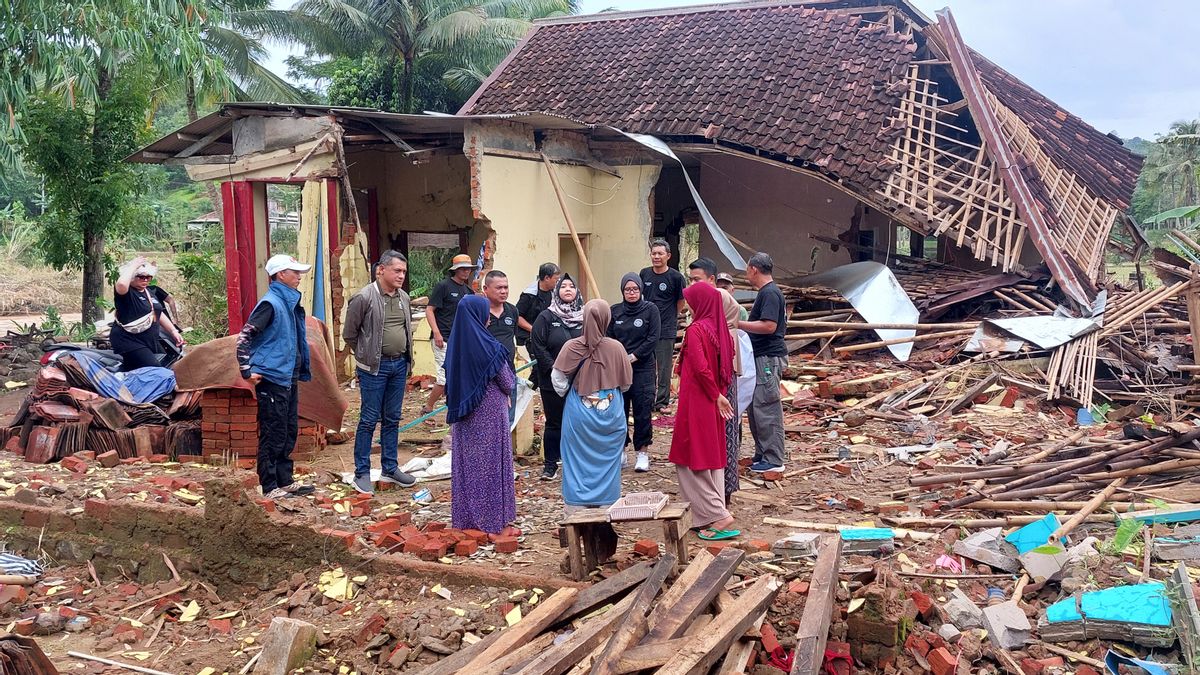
<point>818,609</point>
<point>709,645</point>
<point>633,627</point>
<point>535,622</point>
<point>1087,510</point>
<point>594,289</point>
<point>1193,310</point>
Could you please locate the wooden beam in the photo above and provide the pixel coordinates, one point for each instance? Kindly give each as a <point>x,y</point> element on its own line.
<point>605,592</point>
<point>559,658</point>
<point>562,204</point>
<point>818,609</point>
<point>633,626</point>
<point>258,161</point>
<point>1006,163</point>
<point>526,629</point>
<point>204,142</point>
<point>454,662</point>
<point>704,649</point>
<point>675,617</point>
<point>685,580</point>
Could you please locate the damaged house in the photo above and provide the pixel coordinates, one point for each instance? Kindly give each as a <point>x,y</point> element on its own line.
<point>824,132</point>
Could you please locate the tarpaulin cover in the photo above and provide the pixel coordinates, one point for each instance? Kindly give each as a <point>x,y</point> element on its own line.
<point>136,386</point>
<point>213,365</point>
<point>1145,604</point>
<point>873,291</point>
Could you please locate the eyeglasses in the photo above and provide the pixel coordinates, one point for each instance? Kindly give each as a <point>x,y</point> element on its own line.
<point>632,290</point>
<point>145,276</point>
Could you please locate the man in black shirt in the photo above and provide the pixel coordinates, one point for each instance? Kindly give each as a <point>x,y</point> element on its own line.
<point>443,305</point>
<point>503,324</point>
<point>663,287</point>
<point>766,326</point>
<point>531,303</point>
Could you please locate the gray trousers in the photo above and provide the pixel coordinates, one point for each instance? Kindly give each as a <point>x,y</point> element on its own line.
<point>663,351</point>
<point>766,411</point>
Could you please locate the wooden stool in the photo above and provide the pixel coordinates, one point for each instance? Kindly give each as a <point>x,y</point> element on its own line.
<point>676,518</point>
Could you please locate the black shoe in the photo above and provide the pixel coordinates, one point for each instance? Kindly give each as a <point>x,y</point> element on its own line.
<point>299,489</point>
<point>398,477</point>
<point>550,473</point>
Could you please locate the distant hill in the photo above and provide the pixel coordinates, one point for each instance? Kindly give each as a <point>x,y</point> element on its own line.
<point>1139,145</point>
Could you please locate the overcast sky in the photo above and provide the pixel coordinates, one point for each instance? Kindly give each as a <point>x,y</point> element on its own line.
<point>1123,66</point>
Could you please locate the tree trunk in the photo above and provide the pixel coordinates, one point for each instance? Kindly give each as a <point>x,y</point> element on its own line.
<point>93,274</point>
<point>409,84</point>
<point>193,114</point>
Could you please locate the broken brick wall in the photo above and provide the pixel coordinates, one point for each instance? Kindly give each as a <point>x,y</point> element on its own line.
<point>229,424</point>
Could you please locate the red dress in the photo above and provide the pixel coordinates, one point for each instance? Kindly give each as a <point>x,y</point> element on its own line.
<point>698,442</point>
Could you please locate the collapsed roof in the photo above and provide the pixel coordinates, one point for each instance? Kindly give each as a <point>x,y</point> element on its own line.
<point>868,93</point>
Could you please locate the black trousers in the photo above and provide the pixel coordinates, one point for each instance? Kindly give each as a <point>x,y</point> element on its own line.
<point>552,405</point>
<point>640,399</point>
<point>278,426</point>
<point>142,357</point>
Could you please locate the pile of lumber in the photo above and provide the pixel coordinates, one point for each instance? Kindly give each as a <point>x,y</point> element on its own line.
<point>639,621</point>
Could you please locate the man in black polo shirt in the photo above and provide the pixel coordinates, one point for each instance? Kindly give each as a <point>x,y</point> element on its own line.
<point>503,324</point>
<point>443,305</point>
<point>663,287</point>
<point>766,326</point>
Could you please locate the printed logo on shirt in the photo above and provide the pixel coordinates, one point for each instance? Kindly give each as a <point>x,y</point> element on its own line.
<point>662,286</point>
<point>454,295</point>
<point>638,322</point>
<point>508,320</point>
<point>555,324</point>
<point>619,321</point>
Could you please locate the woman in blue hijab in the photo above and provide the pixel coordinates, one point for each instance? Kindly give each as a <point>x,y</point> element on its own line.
<point>479,381</point>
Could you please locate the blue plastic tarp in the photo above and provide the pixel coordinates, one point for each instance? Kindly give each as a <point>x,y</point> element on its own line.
<point>137,386</point>
<point>1145,604</point>
<point>866,533</point>
<point>1113,662</point>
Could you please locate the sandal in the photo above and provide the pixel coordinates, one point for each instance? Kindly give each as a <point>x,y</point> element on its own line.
<point>718,535</point>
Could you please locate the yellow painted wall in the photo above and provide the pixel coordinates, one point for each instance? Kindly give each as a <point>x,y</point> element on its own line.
<point>432,195</point>
<point>518,199</point>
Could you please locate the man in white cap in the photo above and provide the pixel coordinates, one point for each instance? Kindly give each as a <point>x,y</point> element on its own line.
<point>443,305</point>
<point>272,352</point>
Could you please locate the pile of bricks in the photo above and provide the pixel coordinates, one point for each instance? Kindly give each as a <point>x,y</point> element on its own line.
<point>436,540</point>
<point>229,422</point>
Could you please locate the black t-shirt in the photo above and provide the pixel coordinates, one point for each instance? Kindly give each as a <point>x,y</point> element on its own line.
<point>529,306</point>
<point>444,301</point>
<point>664,291</point>
<point>636,328</point>
<point>769,306</point>
<point>504,328</point>
<point>130,307</point>
<point>161,295</point>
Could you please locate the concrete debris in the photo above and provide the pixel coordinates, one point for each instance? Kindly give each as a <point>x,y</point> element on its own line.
<point>1007,625</point>
<point>962,612</point>
<point>287,645</point>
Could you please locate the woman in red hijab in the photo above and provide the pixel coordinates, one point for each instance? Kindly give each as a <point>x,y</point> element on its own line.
<point>698,444</point>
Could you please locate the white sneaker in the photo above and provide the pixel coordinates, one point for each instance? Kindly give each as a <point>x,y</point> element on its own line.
<point>643,463</point>
<point>277,493</point>
<point>624,458</point>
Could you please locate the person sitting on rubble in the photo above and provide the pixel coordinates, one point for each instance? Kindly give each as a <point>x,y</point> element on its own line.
<point>140,317</point>
<point>378,328</point>
<point>479,380</point>
<point>592,373</point>
<point>560,322</point>
<point>698,450</point>
<point>272,353</point>
<point>635,325</point>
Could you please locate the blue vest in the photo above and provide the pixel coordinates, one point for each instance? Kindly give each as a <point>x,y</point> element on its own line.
<point>273,352</point>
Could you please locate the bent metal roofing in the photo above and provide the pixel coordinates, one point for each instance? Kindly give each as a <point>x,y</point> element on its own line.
<point>804,83</point>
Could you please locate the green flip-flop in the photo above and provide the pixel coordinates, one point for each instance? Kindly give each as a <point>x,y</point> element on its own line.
<point>718,535</point>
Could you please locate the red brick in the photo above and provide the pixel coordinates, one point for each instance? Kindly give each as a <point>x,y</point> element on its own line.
<point>1011,394</point>
<point>67,612</point>
<point>716,547</point>
<point>389,540</point>
<point>382,526</point>
<point>646,547</point>
<point>772,475</point>
<point>478,535</point>
<point>855,503</point>
<point>434,527</point>
<point>770,640</point>
<point>191,459</point>
<point>917,645</point>
<point>466,547</point>
<point>924,604</point>
<point>12,593</point>
<point>415,544</point>
<point>432,550</point>
<point>23,627</point>
<point>347,538</point>
<point>756,546</point>
<point>370,628</point>
<point>885,508</point>
<point>158,459</point>
<point>267,504</point>
<point>109,459</point>
<point>222,626</point>
<point>506,544</point>
<point>96,508</point>
<point>74,464</point>
<point>1082,669</point>
<point>843,469</point>
<point>942,662</point>
<point>86,455</point>
<point>798,587</point>
<point>35,518</point>
<point>134,460</point>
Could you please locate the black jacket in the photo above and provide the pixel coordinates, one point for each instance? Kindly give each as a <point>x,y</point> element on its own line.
<point>546,340</point>
<point>637,329</point>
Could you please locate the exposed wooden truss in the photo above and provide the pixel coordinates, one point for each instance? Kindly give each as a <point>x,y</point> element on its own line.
<point>950,186</point>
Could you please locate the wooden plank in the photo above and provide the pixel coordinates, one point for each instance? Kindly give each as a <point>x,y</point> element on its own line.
<point>526,629</point>
<point>605,592</point>
<point>633,625</point>
<point>575,554</point>
<point>559,658</point>
<point>672,511</point>
<point>518,656</point>
<point>689,576</point>
<point>703,650</point>
<point>674,617</point>
<point>204,142</point>
<point>818,609</point>
<point>739,653</point>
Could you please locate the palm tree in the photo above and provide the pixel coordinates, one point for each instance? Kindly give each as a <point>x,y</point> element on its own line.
<point>443,34</point>
<point>1172,168</point>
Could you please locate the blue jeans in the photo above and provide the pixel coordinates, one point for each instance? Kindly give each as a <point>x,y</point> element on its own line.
<point>382,397</point>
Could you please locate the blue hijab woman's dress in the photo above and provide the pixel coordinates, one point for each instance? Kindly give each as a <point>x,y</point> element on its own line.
<point>479,381</point>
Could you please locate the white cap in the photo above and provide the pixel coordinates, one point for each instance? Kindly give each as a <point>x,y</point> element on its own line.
<point>281,262</point>
<point>148,269</point>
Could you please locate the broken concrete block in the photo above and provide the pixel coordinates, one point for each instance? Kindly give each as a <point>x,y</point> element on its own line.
<point>868,541</point>
<point>287,644</point>
<point>1007,625</point>
<point>962,612</point>
<point>797,544</point>
<point>1140,613</point>
<point>989,548</point>
<point>948,632</point>
<point>1044,566</point>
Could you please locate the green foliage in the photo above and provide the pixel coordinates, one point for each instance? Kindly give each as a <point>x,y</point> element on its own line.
<point>371,82</point>
<point>204,292</point>
<point>1048,549</point>
<point>426,267</point>
<point>18,233</point>
<point>1127,529</point>
<point>1170,177</point>
<point>80,151</point>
